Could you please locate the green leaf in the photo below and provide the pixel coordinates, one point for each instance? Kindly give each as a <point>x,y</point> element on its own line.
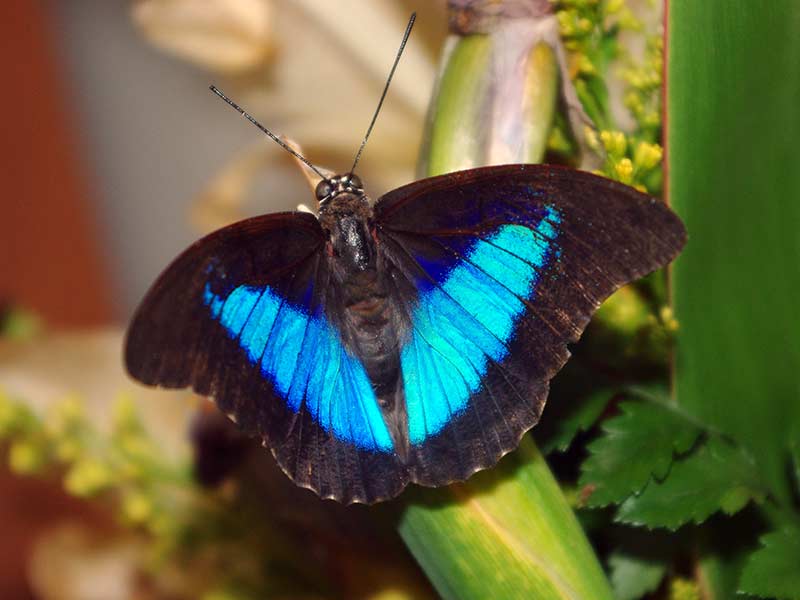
<point>637,445</point>
<point>774,570</point>
<point>632,576</point>
<point>563,420</point>
<point>732,92</point>
<point>794,450</point>
<point>716,476</point>
<point>733,88</point>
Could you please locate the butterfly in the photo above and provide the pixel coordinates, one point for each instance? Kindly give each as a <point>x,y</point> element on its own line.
<point>409,340</point>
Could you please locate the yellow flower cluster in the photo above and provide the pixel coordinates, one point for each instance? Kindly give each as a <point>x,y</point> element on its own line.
<point>630,161</point>
<point>585,25</point>
<point>684,589</point>
<point>643,96</point>
<point>127,466</point>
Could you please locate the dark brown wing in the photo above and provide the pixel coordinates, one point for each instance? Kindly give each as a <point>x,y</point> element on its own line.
<point>241,317</point>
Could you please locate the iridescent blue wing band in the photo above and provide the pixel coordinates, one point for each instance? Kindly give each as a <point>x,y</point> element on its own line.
<point>304,359</point>
<point>467,321</point>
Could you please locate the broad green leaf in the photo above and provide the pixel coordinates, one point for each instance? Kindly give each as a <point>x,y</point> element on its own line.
<point>632,576</point>
<point>715,476</point>
<point>732,129</point>
<point>794,449</point>
<point>774,570</point>
<point>635,446</point>
<point>563,420</point>
<point>733,91</point>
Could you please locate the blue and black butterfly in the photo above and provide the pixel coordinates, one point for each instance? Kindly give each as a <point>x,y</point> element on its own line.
<point>407,341</point>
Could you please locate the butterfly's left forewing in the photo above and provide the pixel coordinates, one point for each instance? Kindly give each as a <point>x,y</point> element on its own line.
<point>509,263</point>
<point>242,316</point>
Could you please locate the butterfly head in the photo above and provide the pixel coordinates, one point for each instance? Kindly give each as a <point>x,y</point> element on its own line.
<point>328,189</point>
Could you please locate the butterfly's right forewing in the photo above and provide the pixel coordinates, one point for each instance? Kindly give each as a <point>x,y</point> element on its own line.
<point>509,264</point>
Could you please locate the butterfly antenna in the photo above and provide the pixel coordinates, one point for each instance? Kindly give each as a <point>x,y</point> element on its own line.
<point>272,136</point>
<point>385,89</point>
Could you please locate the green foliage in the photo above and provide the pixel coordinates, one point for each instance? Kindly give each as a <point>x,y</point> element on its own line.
<point>566,419</point>
<point>732,104</point>
<point>774,570</point>
<point>637,445</point>
<point>716,476</point>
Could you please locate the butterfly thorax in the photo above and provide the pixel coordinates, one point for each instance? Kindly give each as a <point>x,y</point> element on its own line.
<point>346,219</point>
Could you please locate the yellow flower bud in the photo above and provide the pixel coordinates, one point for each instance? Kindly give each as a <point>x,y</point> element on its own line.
<point>647,156</point>
<point>137,507</point>
<point>26,457</point>
<point>624,170</point>
<point>87,477</point>
<point>614,143</point>
<point>684,589</point>
<point>667,317</point>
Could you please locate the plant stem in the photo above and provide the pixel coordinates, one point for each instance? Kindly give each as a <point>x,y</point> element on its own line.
<point>508,532</point>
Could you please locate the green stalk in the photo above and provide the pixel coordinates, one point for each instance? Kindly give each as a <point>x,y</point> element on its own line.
<point>508,532</point>
<point>463,84</point>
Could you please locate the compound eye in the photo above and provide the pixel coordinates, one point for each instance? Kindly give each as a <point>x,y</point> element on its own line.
<point>324,189</point>
<point>355,182</point>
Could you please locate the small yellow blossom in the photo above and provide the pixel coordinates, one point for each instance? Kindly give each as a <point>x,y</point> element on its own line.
<point>27,457</point>
<point>647,156</point>
<point>614,142</point>
<point>624,170</point>
<point>137,507</point>
<point>87,477</point>
<point>667,317</point>
<point>684,589</point>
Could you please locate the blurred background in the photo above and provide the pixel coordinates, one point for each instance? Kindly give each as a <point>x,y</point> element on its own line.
<point>116,157</point>
<point>110,139</point>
